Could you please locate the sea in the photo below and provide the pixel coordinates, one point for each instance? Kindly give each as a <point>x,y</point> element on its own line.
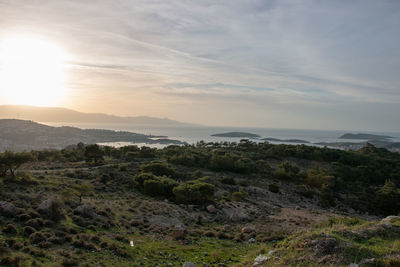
<point>194,134</point>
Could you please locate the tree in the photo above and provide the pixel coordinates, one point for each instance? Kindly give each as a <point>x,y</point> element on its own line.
<point>82,190</point>
<point>10,161</point>
<point>93,153</point>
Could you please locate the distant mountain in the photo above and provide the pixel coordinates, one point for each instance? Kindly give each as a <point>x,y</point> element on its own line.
<point>236,134</point>
<point>55,114</point>
<point>20,135</point>
<point>363,136</point>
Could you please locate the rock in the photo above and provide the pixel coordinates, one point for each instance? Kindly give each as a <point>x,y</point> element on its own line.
<point>248,229</point>
<point>178,233</point>
<point>189,264</point>
<point>367,261</point>
<point>7,209</point>
<point>390,219</point>
<point>240,217</point>
<point>261,259</point>
<point>190,207</point>
<point>236,214</point>
<point>211,209</point>
<point>85,210</point>
<point>164,221</point>
<point>271,252</point>
<point>326,246</point>
<point>51,208</point>
<point>251,240</point>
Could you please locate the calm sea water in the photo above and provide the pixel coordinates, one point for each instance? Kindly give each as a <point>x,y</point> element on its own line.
<point>193,134</point>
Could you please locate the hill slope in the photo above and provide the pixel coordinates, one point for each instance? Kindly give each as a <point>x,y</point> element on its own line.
<point>21,135</point>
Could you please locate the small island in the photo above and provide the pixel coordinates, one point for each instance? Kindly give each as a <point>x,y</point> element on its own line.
<point>298,141</point>
<point>236,134</point>
<point>362,136</point>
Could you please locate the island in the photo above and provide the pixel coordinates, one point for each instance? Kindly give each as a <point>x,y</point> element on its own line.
<point>299,141</point>
<point>237,134</point>
<point>364,136</point>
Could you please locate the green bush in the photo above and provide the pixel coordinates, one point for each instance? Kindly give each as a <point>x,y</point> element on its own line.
<point>194,192</point>
<point>318,178</point>
<point>141,178</point>
<point>159,169</point>
<point>227,161</point>
<point>287,171</point>
<point>161,186</point>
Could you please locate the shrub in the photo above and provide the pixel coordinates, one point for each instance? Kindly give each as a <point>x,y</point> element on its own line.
<point>228,180</point>
<point>10,229</point>
<point>28,230</point>
<point>239,196</point>
<point>224,161</point>
<point>161,186</point>
<point>142,177</point>
<point>26,178</point>
<point>147,152</point>
<point>159,169</point>
<point>131,155</point>
<point>327,199</point>
<point>287,171</point>
<point>37,238</point>
<point>305,191</point>
<point>244,183</point>
<point>318,178</point>
<point>194,192</point>
<point>387,199</point>
<point>274,188</point>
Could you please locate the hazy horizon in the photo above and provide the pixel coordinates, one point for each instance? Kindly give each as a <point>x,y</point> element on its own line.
<point>276,64</point>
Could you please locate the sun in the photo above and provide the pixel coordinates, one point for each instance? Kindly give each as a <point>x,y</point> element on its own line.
<point>32,71</point>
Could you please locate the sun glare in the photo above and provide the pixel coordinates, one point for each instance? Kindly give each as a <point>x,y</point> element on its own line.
<point>32,72</point>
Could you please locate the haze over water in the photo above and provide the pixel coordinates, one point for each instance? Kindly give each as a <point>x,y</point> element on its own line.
<point>193,134</point>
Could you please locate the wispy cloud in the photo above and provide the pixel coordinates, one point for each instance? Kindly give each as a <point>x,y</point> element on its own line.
<point>278,55</point>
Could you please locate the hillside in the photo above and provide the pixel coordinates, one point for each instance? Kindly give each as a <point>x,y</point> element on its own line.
<point>56,114</point>
<point>19,135</point>
<point>211,204</point>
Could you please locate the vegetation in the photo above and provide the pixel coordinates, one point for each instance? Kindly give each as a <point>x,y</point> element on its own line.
<point>209,203</point>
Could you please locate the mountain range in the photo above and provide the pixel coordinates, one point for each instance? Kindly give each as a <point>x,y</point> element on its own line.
<point>57,114</point>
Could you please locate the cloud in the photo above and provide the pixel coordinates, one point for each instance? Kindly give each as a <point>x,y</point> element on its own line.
<point>280,54</point>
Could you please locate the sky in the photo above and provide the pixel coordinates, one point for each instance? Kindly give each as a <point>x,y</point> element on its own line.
<point>264,63</point>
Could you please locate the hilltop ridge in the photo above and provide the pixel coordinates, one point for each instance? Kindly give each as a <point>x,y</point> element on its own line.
<point>20,135</point>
